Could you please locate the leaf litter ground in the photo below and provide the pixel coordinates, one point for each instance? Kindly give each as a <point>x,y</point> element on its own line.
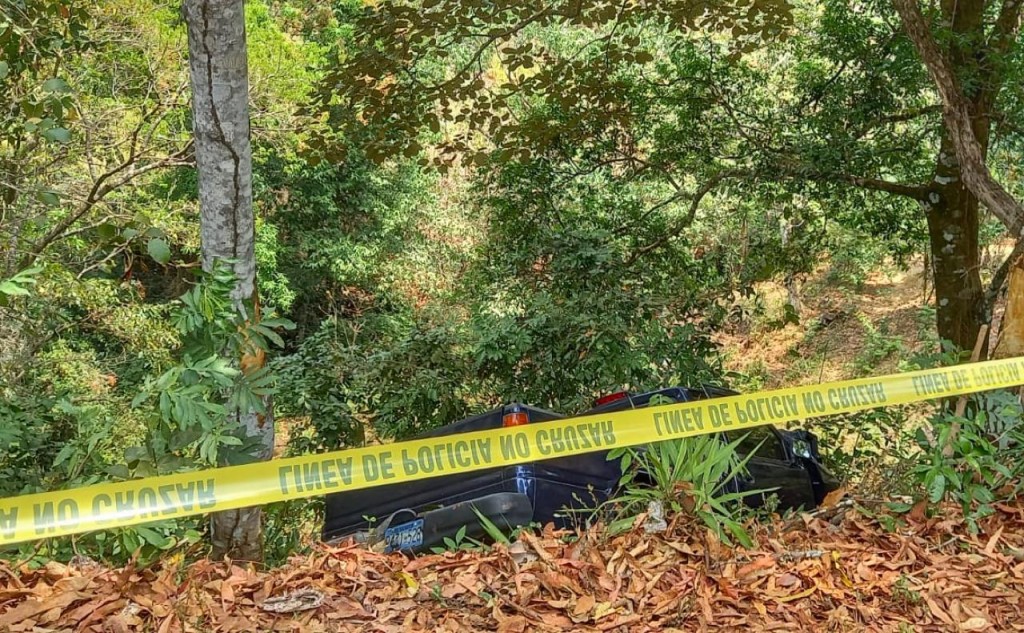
<point>836,571</point>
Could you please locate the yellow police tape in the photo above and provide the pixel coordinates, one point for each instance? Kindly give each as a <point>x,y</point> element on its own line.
<point>126,503</point>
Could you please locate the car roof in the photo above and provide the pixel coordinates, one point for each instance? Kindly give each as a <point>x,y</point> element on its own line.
<point>678,394</point>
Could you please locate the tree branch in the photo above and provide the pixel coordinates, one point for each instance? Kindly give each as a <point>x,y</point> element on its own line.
<point>957,118</point>
<point>1006,28</point>
<point>687,220</point>
<point>99,190</point>
<point>489,40</point>
<point>916,192</point>
<point>899,117</point>
<point>1000,43</point>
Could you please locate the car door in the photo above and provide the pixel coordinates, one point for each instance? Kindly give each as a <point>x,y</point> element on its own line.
<point>770,466</point>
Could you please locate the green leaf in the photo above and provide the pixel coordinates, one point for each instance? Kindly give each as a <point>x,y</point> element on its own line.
<point>159,250</point>
<point>135,453</point>
<point>64,454</point>
<point>11,288</point>
<point>888,523</point>
<point>981,494</point>
<point>56,85</point>
<point>106,231</point>
<point>279,323</point>
<point>937,488</point>
<point>4,69</point>
<point>58,135</point>
<point>48,197</point>
<point>740,534</point>
<point>900,507</point>
<point>152,537</point>
<point>119,471</point>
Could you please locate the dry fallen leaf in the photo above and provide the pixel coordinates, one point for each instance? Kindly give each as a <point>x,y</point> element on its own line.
<point>520,553</point>
<point>990,547</point>
<point>627,582</point>
<point>584,604</point>
<point>834,497</point>
<point>515,624</point>
<point>764,562</point>
<point>602,610</point>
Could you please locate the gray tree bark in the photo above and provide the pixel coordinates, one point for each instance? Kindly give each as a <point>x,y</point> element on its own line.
<point>957,112</point>
<point>962,179</point>
<point>218,69</point>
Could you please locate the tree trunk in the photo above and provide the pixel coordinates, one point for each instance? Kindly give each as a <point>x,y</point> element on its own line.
<point>220,109</point>
<point>961,173</point>
<point>962,111</point>
<point>952,212</point>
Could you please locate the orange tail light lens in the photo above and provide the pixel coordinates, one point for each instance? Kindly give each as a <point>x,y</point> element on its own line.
<point>515,417</point>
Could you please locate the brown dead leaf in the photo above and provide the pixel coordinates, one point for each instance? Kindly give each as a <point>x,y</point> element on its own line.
<point>796,596</point>
<point>584,605</point>
<point>116,624</point>
<point>72,583</point>
<point>834,497</point>
<point>227,592</point>
<point>938,611</point>
<point>765,562</point>
<point>557,621</point>
<point>603,610</point>
<point>32,608</point>
<point>345,609</point>
<point>917,513</point>
<point>990,547</point>
<point>632,581</point>
<point>514,624</point>
<point>538,547</point>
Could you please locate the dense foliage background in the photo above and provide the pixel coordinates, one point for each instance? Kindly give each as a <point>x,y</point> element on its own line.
<point>577,211</point>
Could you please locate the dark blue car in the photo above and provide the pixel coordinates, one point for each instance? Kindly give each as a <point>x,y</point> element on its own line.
<point>418,515</point>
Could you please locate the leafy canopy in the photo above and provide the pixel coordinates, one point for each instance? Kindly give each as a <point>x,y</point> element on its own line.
<point>414,66</point>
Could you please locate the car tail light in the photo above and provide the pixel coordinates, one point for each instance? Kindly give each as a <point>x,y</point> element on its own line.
<point>612,397</point>
<point>515,417</point>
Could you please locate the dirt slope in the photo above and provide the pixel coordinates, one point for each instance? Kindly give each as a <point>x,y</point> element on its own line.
<point>842,333</point>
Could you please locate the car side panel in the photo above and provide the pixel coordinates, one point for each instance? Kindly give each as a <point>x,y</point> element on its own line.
<point>347,512</point>
<point>792,483</point>
<point>559,488</point>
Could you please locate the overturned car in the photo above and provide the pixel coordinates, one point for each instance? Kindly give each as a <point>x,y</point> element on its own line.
<point>421,514</point>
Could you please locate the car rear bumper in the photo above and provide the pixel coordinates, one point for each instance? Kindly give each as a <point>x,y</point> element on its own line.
<point>407,531</point>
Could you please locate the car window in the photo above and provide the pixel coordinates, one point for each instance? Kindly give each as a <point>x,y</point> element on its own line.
<point>760,441</point>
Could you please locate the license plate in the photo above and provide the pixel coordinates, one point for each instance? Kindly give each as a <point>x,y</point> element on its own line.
<point>404,536</point>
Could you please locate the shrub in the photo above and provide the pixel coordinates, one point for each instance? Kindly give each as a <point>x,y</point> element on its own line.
<point>975,460</point>
<point>687,475</point>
